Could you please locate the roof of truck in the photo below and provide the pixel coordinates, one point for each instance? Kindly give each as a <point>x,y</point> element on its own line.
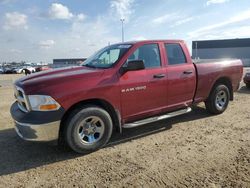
<point>151,41</point>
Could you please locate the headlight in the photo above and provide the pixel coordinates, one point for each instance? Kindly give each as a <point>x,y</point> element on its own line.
<point>42,103</point>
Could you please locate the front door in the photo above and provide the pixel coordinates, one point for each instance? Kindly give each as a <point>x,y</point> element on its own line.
<point>143,92</point>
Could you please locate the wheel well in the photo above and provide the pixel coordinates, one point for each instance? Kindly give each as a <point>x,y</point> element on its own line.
<point>115,116</point>
<point>226,81</point>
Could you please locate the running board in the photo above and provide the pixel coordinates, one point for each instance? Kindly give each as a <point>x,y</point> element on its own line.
<point>157,118</point>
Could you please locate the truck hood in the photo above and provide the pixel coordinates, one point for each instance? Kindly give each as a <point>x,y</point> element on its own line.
<point>52,77</point>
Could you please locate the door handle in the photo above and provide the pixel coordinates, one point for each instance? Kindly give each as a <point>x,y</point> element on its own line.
<point>159,75</point>
<point>188,72</point>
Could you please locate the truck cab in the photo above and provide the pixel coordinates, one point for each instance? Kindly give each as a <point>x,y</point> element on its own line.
<point>166,82</point>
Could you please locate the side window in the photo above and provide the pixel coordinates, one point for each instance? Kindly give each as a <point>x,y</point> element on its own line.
<point>175,54</point>
<point>149,53</point>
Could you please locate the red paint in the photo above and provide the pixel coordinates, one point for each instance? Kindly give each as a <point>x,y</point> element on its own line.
<point>69,86</point>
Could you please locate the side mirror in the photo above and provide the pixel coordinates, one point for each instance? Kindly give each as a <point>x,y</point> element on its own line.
<point>133,66</point>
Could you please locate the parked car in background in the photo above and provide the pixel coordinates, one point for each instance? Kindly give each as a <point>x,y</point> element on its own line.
<point>247,79</point>
<point>42,68</point>
<point>21,69</point>
<point>13,70</point>
<point>1,71</point>
<point>9,70</point>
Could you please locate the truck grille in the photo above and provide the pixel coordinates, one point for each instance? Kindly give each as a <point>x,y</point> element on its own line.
<point>21,99</point>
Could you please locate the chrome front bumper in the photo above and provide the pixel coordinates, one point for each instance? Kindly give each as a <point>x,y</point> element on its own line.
<point>38,132</point>
<point>37,126</point>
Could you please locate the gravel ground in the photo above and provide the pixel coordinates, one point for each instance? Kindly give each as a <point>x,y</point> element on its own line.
<point>192,150</point>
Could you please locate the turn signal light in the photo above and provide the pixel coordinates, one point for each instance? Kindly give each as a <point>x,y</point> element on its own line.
<point>48,107</point>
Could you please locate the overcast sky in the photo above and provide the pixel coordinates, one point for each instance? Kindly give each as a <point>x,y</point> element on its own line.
<point>42,30</point>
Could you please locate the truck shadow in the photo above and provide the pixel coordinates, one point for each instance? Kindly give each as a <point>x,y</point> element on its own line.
<point>153,128</point>
<point>244,90</point>
<point>18,155</point>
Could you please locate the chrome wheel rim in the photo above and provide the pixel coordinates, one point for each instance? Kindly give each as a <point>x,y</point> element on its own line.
<point>221,99</point>
<point>91,130</point>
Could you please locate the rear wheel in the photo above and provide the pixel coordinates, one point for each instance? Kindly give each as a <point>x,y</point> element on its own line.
<point>88,129</point>
<point>218,99</point>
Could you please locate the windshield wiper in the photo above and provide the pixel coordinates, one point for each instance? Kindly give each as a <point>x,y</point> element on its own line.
<point>96,67</point>
<point>89,65</point>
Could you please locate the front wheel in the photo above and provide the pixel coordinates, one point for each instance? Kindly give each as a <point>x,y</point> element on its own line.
<point>218,99</point>
<point>88,129</point>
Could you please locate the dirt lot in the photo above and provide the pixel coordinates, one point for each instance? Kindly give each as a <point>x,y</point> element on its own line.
<point>192,150</point>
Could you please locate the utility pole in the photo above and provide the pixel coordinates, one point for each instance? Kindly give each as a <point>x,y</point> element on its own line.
<point>122,20</point>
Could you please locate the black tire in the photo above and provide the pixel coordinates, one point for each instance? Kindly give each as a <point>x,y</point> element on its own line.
<point>218,99</point>
<point>79,124</point>
<point>248,85</point>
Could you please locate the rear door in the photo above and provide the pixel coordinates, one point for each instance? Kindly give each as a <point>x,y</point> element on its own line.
<point>181,77</point>
<point>143,92</point>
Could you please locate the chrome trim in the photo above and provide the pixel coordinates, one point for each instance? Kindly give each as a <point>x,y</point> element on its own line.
<point>221,99</point>
<point>21,108</point>
<point>91,130</point>
<point>157,118</point>
<point>21,99</point>
<point>38,132</point>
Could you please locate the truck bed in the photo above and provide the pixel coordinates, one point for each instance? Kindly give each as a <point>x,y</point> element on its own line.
<point>209,71</point>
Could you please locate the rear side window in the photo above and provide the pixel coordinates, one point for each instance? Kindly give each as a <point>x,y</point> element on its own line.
<point>175,54</point>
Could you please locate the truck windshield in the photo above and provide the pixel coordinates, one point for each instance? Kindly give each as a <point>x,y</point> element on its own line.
<point>107,56</point>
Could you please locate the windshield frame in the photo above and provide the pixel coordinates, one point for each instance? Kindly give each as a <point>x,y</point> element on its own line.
<point>95,56</point>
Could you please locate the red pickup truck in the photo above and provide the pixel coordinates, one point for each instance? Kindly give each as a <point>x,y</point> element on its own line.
<point>121,86</point>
